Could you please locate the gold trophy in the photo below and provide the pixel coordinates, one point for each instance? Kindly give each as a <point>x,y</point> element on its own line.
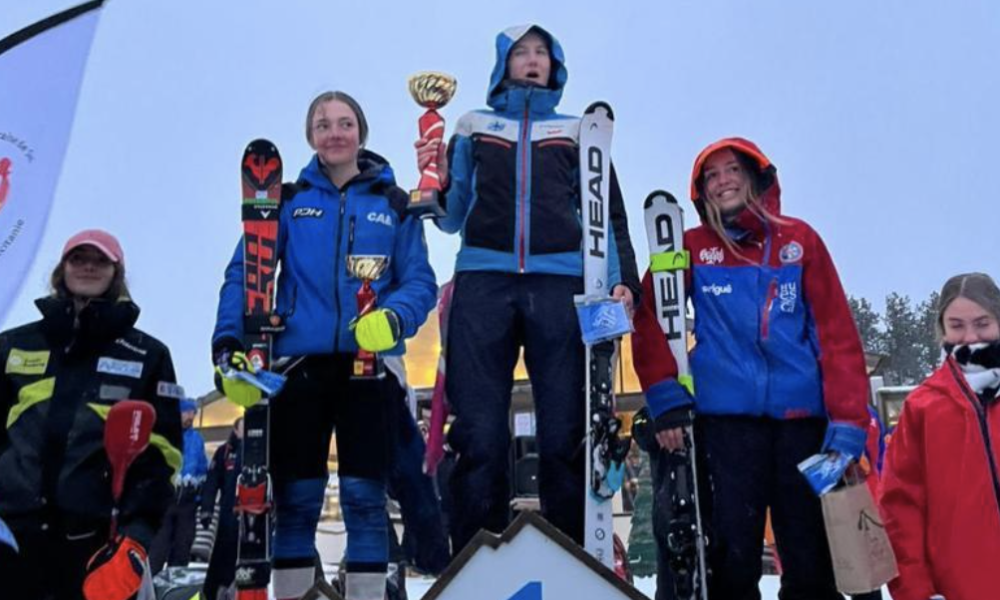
<point>432,91</point>
<point>367,268</point>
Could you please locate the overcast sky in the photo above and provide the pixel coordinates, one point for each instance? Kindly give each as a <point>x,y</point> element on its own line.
<point>881,117</point>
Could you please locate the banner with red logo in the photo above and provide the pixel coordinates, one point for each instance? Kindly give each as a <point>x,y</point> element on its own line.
<point>41,68</point>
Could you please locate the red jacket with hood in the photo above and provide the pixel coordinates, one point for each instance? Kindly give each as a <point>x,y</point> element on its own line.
<point>775,334</point>
<point>940,492</point>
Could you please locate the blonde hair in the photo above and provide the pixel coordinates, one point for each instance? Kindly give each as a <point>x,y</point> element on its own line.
<point>758,185</point>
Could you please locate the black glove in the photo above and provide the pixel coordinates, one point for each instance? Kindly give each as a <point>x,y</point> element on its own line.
<point>643,432</point>
<point>672,419</point>
<point>644,429</point>
<point>222,357</point>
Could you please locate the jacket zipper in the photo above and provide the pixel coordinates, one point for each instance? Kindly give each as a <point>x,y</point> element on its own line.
<point>984,429</point>
<point>337,269</point>
<point>525,140</point>
<point>765,322</point>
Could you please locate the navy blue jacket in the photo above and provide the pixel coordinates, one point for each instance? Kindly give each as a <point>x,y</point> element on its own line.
<point>318,228</point>
<point>514,181</point>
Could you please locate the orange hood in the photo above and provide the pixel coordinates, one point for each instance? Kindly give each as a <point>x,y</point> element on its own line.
<point>770,192</point>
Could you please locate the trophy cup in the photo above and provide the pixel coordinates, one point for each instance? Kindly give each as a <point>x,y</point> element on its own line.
<point>367,268</point>
<point>432,91</point>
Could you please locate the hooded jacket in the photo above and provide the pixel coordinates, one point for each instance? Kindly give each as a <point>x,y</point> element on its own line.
<point>514,180</point>
<point>319,227</point>
<point>775,336</point>
<point>941,491</point>
<point>57,386</point>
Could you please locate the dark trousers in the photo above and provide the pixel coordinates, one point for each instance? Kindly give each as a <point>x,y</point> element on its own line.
<point>222,565</point>
<point>494,315</point>
<point>318,396</point>
<point>172,544</point>
<point>52,563</point>
<point>752,463</point>
<point>424,535</point>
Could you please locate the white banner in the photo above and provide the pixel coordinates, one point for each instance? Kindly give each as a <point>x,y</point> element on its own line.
<point>41,68</point>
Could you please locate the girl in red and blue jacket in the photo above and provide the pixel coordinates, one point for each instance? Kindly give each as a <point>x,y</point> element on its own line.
<point>778,372</point>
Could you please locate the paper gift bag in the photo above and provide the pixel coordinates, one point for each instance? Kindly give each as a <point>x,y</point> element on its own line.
<point>863,560</point>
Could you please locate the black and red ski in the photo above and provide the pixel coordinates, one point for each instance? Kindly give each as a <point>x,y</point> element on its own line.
<point>261,177</point>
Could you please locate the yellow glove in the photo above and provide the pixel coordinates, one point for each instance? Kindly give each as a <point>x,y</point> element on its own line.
<point>377,331</point>
<point>239,392</point>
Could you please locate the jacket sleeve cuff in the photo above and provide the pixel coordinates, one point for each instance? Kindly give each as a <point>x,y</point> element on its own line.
<point>140,531</point>
<point>667,395</point>
<point>845,438</point>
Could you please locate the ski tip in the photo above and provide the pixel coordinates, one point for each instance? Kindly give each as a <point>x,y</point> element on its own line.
<point>652,197</point>
<point>261,146</point>
<point>600,104</point>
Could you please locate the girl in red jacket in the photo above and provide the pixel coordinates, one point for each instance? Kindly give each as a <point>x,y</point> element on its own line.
<point>778,371</point>
<point>940,484</point>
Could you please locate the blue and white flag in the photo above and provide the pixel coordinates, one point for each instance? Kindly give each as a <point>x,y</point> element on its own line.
<point>41,68</point>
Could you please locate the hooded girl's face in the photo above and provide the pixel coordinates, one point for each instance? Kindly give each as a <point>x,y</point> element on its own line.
<point>529,60</point>
<point>966,322</point>
<point>727,184</point>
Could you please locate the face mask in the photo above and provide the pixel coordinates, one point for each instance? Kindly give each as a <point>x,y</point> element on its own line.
<point>980,364</point>
<point>975,357</point>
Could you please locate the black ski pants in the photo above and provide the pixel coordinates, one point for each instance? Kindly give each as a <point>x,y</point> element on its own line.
<point>53,561</point>
<point>752,463</point>
<point>493,316</point>
<point>222,564</point>
<point>172,544</point>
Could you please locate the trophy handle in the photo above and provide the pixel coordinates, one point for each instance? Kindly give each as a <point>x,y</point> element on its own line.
<point>431,127</point>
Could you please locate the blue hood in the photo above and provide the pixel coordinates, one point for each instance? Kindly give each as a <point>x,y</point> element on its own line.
<point>375,171</point>
<point>504,98</point>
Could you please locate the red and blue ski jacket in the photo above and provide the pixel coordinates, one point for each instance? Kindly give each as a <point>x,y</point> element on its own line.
<point>514,181</point>
<point>775,336</point>
<point>319,227</point>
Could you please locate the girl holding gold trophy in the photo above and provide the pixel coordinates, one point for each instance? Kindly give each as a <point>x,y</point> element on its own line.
<point>510,186</point>
<point>355,282</point>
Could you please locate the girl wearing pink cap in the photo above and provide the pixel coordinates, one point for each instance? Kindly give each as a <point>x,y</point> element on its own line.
<point>60,376</point>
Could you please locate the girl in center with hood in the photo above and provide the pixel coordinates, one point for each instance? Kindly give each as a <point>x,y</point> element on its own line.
<point>778,369</point>
<point>512,192</point>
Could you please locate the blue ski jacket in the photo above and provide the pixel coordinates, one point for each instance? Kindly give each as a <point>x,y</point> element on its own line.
<point>319,227</point>
<point>513,189</point>
<point>194,469</point>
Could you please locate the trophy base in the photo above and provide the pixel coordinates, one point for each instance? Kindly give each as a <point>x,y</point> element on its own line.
<point>425,204</point>
<point>367,368</point>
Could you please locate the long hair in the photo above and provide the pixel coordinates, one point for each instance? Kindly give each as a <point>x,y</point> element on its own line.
<point>118,290</point>
<point>977,287</point>
<point>759,182</point>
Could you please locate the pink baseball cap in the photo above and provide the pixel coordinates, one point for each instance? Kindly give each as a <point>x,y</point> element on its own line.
<point>102,240</point>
